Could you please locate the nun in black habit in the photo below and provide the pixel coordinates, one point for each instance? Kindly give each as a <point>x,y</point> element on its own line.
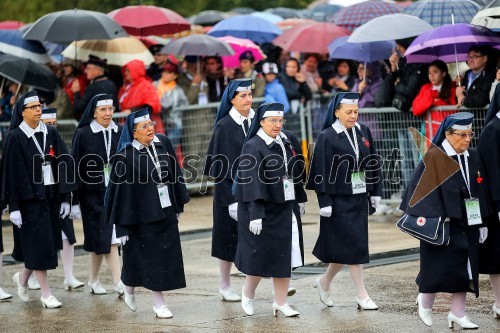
<point>451,268</point>
<point>345,173</point>
<point>38,178</point>
<point>233,120</point>
<point>144,199</point>
<point>489,152</point>
<point>94,145</point>
<point>268,235</point>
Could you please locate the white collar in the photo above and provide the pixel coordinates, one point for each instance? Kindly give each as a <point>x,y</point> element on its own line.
<point>41,127</point>
<point>498,114</point>
<point>238,118</point>
<point>267,139</point>
<point>448,149</point>
<point>96,128</point>
<point>339,128</point>
<point>438,88</point>
<point>137,145</point>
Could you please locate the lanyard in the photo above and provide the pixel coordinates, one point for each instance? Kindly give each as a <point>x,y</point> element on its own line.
<point>42,154</point>
<point>107,143</point>
<point>465,172</point>
<point>285,161</point>
<point>155,159</point>
<point>354,145</point>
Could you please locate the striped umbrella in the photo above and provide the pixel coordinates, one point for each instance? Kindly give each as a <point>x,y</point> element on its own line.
<point>12,42</point>
<point>438,12</point>
<point>353,16</point>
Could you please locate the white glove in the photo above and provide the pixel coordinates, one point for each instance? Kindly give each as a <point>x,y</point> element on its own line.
<point>178,215</point>
<point>375,201</point>
<point>123,239</point>
<point>256,226</point>
<point>233,211</point>
<point>483,234</point>
<point>75,213</point>
<point>326,211</point>
<point>499,215</point>
<point>16,219</point>
<point>302,208</point>
<point>65,209</point>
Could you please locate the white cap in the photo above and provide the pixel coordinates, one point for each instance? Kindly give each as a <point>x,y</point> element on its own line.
<point>141,119</point>
<point>462,127</point>
<point>269,67</point>
<point>349,101</point>
<point>272,113</point>
<point>104,102</point>
<point>31,99</point>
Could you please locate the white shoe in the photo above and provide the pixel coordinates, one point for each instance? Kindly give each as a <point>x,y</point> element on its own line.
<point>33,283</point>
<point>96,288</point>
<point>246,303</point>
<point>324,296</point>
<point>366,304</point>
<point>119,288</point>
<point>22,292</point>
<point>463,322</point>
<point>163,312</point>
<point>4,295</point>
<point>50,303</point>
<point>496,311</point>
<point>424,314</point>
<point>291,291</point>
<point>73,284</point>
<point>229,295</point>
<point>130,300</point>
<point>286,310</point>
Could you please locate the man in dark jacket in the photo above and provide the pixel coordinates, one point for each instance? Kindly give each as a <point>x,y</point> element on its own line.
<point>99,84</point>
<point>402,85</point>
<point>474,93</point>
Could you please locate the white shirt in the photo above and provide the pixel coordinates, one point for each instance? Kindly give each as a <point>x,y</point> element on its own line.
<point>41,127</point>
<point>337,126</point>
<point>96,128</point>
<point>448,149</point>
<point>239,118</point>
<point>137,145</point>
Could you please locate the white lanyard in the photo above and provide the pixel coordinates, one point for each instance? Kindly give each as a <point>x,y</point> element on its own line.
<point>465,175</point>
<point>107,143</point>
<point>42,152</point>
<point>354,145</point>
<point>155,159</point>
<point>285,161</point>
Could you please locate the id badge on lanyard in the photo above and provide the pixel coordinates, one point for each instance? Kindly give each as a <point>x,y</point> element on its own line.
<point>473,211</point>
<point>107,173</point>
<point>358,182</point>
<point>288,189</point>
<point>164,196</point>
<point>48,176</point>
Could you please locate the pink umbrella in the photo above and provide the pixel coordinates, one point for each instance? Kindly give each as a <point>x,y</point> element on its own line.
<point>10,25</point>
<point>239,46</point>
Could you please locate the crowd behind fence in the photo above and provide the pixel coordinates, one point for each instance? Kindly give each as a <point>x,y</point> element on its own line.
<point>389,128</point>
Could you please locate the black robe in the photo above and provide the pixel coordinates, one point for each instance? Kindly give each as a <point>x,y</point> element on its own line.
<point>89,154</point>
<point>37,241</point>
<point>152,257</point>
<point>444,268</point>
<point>489,152</point>
<point>221,163</point>
<point>260,195</point>
<point>343,237</point>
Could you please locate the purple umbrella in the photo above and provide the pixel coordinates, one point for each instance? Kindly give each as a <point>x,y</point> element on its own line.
<point>340,48</point>
<point>449,43</point>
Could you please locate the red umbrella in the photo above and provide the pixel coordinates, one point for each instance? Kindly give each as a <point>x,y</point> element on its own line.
<point>149,20</point>
<point>10,25</point>
<point>310,37</point>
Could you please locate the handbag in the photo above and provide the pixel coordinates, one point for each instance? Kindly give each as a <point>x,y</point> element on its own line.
<point>433,230</point>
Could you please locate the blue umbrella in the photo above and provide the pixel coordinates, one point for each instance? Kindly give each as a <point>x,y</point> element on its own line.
<point>12,42</point>
<point>340,48</point>
<point>246,26</point>
<point>273,18</point>
<point>438,12</point>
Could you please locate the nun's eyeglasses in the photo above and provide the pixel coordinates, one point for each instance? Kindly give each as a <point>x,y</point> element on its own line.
<point>106,109</point>
<point>33,107</point>
<point>274,122</point>
<point>465,135</point>
<point>52,123</point>
<point>146,126</point>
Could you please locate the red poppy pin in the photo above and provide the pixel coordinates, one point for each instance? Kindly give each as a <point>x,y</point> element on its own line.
<point>367,143</point>
<point>479,178</point>
<point>51,151</point>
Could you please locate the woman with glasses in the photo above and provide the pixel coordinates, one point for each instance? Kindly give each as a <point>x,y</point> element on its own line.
<point>94,145</point>
<point>37,184</point>
<point>268,189</point>
<point>145,197</point>
<point>449,183</point>
<point>345,173</point>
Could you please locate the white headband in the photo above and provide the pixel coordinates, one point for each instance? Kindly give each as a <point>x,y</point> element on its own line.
<point>349,101</point>
<point>31,99</point>
<point>48,116</point>
<point>462,127</point>
<point>241,88</point>
<point>141,119</point>
<point>273,114</point>
<point>104,102</point>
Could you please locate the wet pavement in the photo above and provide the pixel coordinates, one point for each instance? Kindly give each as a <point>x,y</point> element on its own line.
<point>198,308</point>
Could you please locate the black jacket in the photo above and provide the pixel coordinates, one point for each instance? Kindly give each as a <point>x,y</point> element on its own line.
<point>100,85</point>
<point>293,88</point>
<point>478,94</point>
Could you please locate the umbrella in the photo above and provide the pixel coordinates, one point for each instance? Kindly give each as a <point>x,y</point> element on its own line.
<point>364,52</point>
<point>326,9</point>
<point>246,26</point>
<point>273,18</point>
<point>239,46</point>
<point>75,24</point>
<point>118,51</point>
<point>290,23</point>
<point>489,17</point>
<point>438,12</point>
<point>389,27</point>
<point>28,73</point>
<point>482,3</point>
<point>284,12</point>
<point>12,42</point>
<point>11,25</point>
<point>449,43</point>
<point>208,17</point>
<point>149,20</point>
<point>353,16</point>
<point>198,45</point>
<point>310,37</point>
<point>242,10</point>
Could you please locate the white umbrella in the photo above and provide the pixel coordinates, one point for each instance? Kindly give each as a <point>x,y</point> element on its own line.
<point>118,51</point>
<point>489,18</point>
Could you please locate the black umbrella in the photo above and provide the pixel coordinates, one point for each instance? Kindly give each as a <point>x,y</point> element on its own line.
<point>208,18</point>
<point>198,45</point>
<point>284,12</point>
<point>75,24</point>
<point>28,73</point>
